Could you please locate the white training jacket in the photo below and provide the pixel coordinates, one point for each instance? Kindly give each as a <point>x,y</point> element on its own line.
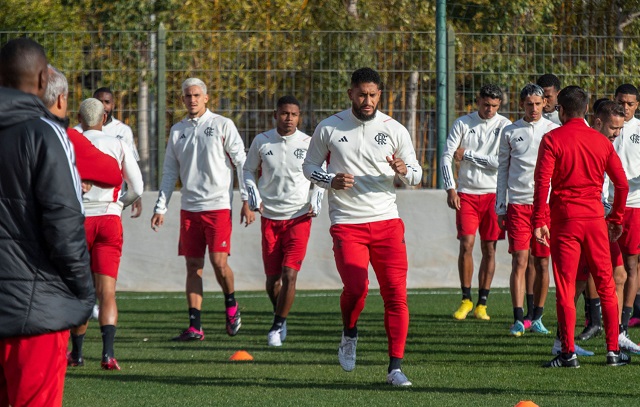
<point>202,153</point>
<point>627,145</point>
<point>553,117</point>
<point>282,187</point>
<point>352,146</point>
<point>116,128</point>
<point>479,168</point>
<point>107,201</point>
<point>517,160</point>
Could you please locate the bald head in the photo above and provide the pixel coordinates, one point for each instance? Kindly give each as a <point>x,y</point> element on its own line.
<point>23,66</point>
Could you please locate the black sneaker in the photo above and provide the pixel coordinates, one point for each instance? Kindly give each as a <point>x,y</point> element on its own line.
<point>564,361</point>
<point>190,334</point>
<point>234,322</point>
<point>589,331</point>
<point>74,362</point>
<point>617,358</point>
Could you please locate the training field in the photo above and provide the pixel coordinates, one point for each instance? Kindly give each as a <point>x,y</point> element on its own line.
<point>451,363</point>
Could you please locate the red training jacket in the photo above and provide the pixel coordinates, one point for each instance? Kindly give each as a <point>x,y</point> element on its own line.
<point>575,157</point>
<point>93,164</point>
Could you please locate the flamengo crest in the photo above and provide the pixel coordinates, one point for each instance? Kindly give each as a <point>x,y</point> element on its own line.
<point>208,131</point>
<point>299,153</point>
<point>381,138</point>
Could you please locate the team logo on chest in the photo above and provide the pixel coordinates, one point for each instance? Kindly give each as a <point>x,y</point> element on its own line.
<point>496,132</point>
<point>381,138</point>
<point>208,131</point>
<point>299,153</point>
<point>635,139</point>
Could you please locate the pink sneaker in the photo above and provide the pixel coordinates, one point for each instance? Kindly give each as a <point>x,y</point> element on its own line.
<point>527,323</point>
<point>190,334</point>
<point>634,322</point>
<point>234,322</point>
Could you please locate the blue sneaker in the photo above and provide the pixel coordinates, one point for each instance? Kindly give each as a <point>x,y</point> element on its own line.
<point>557,349</point>
<point>517,329</point>
<point>538,327</point>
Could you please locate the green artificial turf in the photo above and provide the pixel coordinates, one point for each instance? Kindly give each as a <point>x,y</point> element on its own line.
<point>451,363</point>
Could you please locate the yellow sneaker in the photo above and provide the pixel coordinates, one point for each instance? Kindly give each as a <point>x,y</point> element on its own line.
<point>465,307</point>
<point>481,312</point>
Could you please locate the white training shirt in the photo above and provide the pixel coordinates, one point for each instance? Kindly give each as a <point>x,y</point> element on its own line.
<point>479,168</point>
<point>282,187</point>
<point>627,145</point>
<point>351,146</point>
<point>202,152</point>
<point>116,128</point>
<point>553,117</point>
<point>107,201</point>
<point>517,158</point>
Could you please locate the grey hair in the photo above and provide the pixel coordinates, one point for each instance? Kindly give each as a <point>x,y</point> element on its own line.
<point>531,90</point>
<point>193,82</point>
<point>91,111</point>
<point>57,86</point>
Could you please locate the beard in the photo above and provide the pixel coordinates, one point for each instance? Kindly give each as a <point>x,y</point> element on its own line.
<point>361,115</point>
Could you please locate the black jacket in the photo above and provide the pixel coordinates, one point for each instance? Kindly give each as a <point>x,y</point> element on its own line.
<point>45,276</point>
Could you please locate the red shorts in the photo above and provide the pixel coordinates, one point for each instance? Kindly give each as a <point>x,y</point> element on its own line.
<point>201,229</point>
<point>478,212</point>
<point>616,261</point>
<point>104,241</point>
<point>520,230</point>
<point>284,243</point>
<point>32,369</point>
<point>629,241</point>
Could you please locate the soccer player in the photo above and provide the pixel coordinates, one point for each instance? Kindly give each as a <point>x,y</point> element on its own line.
<point>367,151</point>
<point>517,160</point>
<point>44,263</point>
<point>202,150</point>
<point>573,159</point>
<point>103,228</point>
<point>281,195</point>
<point>627,145</point>
<point>550,84</point>
<point>474,141</point>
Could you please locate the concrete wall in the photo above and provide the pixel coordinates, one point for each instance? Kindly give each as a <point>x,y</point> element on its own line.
<point>150,261</point>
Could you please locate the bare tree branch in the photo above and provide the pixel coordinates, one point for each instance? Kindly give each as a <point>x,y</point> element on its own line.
<point>628,19</point>
<point>352,8</point>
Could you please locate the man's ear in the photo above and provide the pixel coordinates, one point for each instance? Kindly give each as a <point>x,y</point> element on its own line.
<point>104,118</point>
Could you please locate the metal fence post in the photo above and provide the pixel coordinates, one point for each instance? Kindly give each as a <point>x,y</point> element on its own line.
<point>162,98</point>
<point>441,80</point>
<point>451,76</point>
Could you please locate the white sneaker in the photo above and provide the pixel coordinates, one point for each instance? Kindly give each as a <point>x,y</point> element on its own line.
<point>347,353</point>
<point>627,344</point>
<point>397,378</point>
<point>557,349</point>
<point>273,338</point>
<point>283,331</point>
<point>96,311</point>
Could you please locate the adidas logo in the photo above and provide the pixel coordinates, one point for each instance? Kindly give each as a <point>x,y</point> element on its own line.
<point>183,136</point>
<point>519,139</point>
<point>269,152</point>
<point>473,131</point>
<point>343,140</point>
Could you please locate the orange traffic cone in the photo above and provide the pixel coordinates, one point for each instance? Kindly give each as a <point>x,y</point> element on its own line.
<point>241,355</point>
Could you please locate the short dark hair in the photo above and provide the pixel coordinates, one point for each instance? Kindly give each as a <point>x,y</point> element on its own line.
<point>103,90</point>
<point>574,101</point>
<point>598,103</point>
<point>548,80</point>
<point>608,108</point>
<point>491,91</point>
<point>17,58</point>
<point>531,89</point>
<point>366,75</point>
<point>627,89</point>
<point>287,100</point>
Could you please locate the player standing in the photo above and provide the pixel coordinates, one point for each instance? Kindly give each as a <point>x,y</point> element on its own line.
<point>367,150</point>
<point>281,195</point>
<point>517,161</point>
<point>474,141</point>
<point>202,150</point>
<point>103,228</point>
<point>573,159</point>
<point>550,84</point>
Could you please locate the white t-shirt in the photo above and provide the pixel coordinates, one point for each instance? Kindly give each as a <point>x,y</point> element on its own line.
<point>282,187</point>
<point>116,128</point>
<point>352,146</point>
<point>627,146</point>
<point>553,117</point>
<point>479,168</point>
<point>107,201</point>
<point>202,153</point>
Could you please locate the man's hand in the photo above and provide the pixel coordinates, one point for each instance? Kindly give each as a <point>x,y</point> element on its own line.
<point>86,186</point>
<point>310,212</point>
<point>453,200</point>
<point>397,165</point>
<point>136,208</point>
<point>459,154</point>
<point>542,235</point>
<point>157,220</point>
<point>246,214</point>
<point>343,181</point>
<point>615,231</point>
<point>502,221</point>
